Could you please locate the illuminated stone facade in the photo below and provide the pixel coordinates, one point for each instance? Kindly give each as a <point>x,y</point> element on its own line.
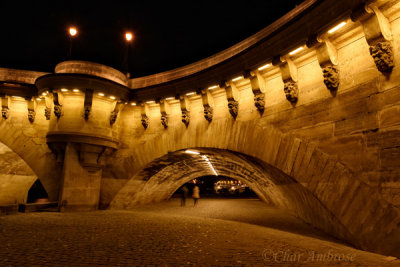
<point>330,156</point>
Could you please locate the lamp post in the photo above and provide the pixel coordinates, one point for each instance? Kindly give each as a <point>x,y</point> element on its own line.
<point>128,41</point>
<point>72,32</point>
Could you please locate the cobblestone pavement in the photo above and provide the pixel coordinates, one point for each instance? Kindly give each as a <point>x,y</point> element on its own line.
<point>214,233</point>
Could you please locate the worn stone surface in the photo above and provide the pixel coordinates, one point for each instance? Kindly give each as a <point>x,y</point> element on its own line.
<point>211,234</point>
<point>332,158</point>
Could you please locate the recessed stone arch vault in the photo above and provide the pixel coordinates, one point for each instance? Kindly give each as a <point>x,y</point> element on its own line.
<point>16,177</point>
<point>321,191</point>
<point>29,143</point>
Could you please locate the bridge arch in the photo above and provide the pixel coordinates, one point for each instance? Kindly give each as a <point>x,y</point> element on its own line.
<point>322,191</point>
<point>29,143</point>
<point>16,177</point>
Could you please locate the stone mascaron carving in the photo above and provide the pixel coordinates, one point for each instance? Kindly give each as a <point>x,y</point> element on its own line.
<point>331,77</point>
<point>208,113</point>
<point>164,120</point>
<point>5,112</point>
<point>47,113</point>
<point>113,117</point>
<point>87,112</point>
<point>31,115</point>
<point>186,117</point>
<point>58,111</point>
<point>145,121</point>
<point>259,101</point>
<point>382,53</point>
<point>291,91</point>
<point>233,106</point>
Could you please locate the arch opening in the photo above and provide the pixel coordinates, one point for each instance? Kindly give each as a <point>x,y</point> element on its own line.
<point>37,193</point>
<point>16,177</point>
<point>161,178</point>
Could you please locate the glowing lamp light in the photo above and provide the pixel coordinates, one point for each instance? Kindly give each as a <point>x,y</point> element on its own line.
<point>212,87</point>
<point>191,93</point>
<point>150,102</point>
<point>133,104</point>
<point>337,27</point>
<point>44,93</point>
<point>64,90</point>
<point>237,78</point>
<point>264,67</point>
<point>38,99</point>
<point>296,50</point>
<point>76,90</point>
<point>128,36</point>
<point>112,97</point>
<point>100,94</point>
<point>73,31</point>
<point>170,98</point>
<point>192,152</point>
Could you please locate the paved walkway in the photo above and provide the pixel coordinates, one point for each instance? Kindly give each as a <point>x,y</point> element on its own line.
<point>214,233</point>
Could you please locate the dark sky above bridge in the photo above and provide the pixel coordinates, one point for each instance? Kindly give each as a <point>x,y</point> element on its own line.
<point>167,34</point>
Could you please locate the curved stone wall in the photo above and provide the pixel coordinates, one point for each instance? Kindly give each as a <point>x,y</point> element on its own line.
<point>326,115</point>
<point>28,141</point>
<point>16,178</point>
<point>337,187</point>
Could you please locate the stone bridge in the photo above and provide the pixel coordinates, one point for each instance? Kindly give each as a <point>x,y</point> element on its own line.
<point>306,111</point>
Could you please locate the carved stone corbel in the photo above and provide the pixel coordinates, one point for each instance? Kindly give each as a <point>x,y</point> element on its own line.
<point>31,110</point>
<point>185,108</point>
<point>328,60</point>
<point>378,34</point>
<point>114,114</point>
<point>87,107</point>
<point>163,110</point>
<point>259,93</point>
<point>57,100</point>
<point>90,155</point>
<point>208,103</point>
<point>289,77</point>
<point>232,97</point>
<point>5,107</point>
<point>145,119</point>
<point>47,109</point>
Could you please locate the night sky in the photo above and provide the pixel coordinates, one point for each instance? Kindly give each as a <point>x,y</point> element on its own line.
<point>167,34</point>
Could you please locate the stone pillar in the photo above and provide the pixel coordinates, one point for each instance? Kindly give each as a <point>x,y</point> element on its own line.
<point>81,177</point>
<point>83,129</point>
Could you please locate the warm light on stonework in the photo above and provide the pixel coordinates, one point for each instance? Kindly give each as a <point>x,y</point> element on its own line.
<point>150,102</point>
<point>296,50</point>
<point>101,94</point>
<point>237,78</point>
<point>44,93</point>
<point>112,97</point>
<point>64,90</point>
<point>192,152</point>
<point>191,93</point>
<point>76,90</point>
<point>38,99</point>
<point>337,27</point>
<point>73,31</point>
<point>212,87</point>
<point>264,67</point>
<point>133,104</point>
<point>170,98</point>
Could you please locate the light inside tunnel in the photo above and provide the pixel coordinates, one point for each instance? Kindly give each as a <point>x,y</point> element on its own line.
<point>192,152</point>
<point>209,164</point>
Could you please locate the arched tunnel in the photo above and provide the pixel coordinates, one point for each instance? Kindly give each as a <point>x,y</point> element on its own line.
<point>163,176</point>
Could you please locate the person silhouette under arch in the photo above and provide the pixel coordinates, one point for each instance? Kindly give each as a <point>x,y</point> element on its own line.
<point>196,195</point>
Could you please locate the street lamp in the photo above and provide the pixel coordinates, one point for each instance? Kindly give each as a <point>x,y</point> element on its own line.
<point>72,31</point>
<point>128,41</point>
